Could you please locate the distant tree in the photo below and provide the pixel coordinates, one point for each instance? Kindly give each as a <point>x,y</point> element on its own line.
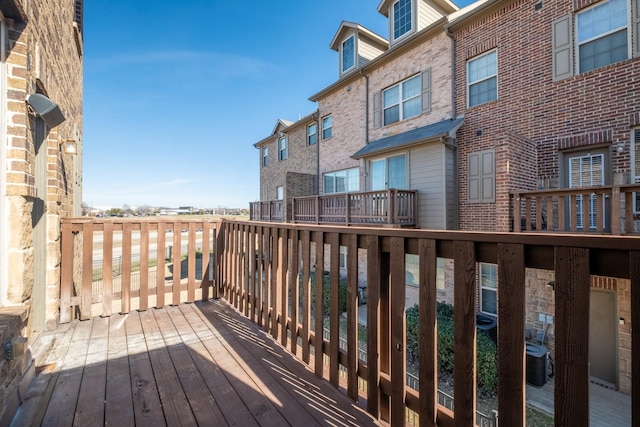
<point>144,210</point>
<point>114,212</point>
<point>126,210</point>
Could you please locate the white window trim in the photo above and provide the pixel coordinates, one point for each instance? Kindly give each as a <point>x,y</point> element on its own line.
<point>310,134</point>
<point>283,154</point>
<point>578,43</point>
<point>401,101</point>
<point>346,171</point>
<point>469,83</point>
<point>392,22</point>
<point>342,69</point>
<point>324,120</point>
<point>495,290</point>
<point>386,169</point>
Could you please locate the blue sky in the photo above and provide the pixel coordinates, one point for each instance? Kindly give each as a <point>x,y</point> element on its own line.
<point>177,92</point>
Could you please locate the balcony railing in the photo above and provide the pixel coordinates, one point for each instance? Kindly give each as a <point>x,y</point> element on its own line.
<point>265,271</point>
<point>602,210</point>
<point>396,208</point>
<point>271,211</point>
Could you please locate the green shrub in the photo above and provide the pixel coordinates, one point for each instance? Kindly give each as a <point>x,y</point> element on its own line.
<point>486,354</point>
<point>342,295</point>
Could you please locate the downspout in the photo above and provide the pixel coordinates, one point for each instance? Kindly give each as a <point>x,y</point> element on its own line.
<point>366,122</point>
<point>456,155</point>
<point>4,220</point>
<point>318,130</point>
<point>453,72</point>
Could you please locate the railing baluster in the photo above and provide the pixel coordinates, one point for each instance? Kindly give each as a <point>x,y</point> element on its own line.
<point>373,310</point>
<point>318,238</point>
<point>571,397</point>
<point>160,269</point>
<point>294,281</point>
<point>511,353</point>
<point>177,268</point>
<point>144,265</point>
<point>634,273</point>
<point>191,263</point>
<point>464,350</point>
<point>352,316</point>
<point>427,341</point>
<point>107,268</point>
<point>398,327</point>
<point>334,311</point>
<point>306,295</point>
<point>125,278</point>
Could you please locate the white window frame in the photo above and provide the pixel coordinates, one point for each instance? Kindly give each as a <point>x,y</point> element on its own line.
<point>579,43</point>
<point>279,192</point>
<point>482,79</point>
<point>343,257</point>
<point>343,53</point>
<point>490,286</point>
<point>265,156</point>
<point>635,167</point>
<point>401,101</point>
<point>351,177</point>
<point>283,148</point>
<point>392,19</point>
<point>312,137</point>
<point>386,171</point>
<point>327,127</point>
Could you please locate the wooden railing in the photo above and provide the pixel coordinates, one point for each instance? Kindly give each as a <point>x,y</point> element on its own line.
<point>267,211</point>
<point>380,208</point>
<point>161,262</point>
<point>606,209</point>
<point>265,271</point>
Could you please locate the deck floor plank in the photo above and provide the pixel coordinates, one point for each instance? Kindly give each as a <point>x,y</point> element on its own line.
<point>244,381</point>
<point>174,400</point>
<point>283,374</point>
<point>147,408</point>
<point>201,402</point>
<point>194,364</point>
<point>229,401</point>
<point>119,398</point>
<point>62,406</point>
<point>90,406</point>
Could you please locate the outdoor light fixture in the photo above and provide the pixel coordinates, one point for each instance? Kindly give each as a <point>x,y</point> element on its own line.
<point>45,108</point>
<point>69,146</point>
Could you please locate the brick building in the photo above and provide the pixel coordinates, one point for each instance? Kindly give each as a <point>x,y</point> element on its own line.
<point>549,100</point>
<point>289,162</point>
<point>471,106</point>
<point>41,151</point>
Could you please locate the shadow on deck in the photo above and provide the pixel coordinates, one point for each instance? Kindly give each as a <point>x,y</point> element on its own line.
<point>192,364</point>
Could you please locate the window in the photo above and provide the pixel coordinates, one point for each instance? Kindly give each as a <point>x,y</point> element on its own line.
<point>601,34</point>
<point>489,288</point>
<point>586,171</point>
<point>327,124</point>
<point>312,134</point>
<point>482,79</point>
<point>348,53</point>
<point>342,181</point>
<point>265,156</point>
<point>279,193</point>
<point>635,167</point>
<point>343,257</point>
<point>282,148</point>
<point>390,172</point>
<point>402,18</point>
<point>402,101</point>
<point>481,180</point>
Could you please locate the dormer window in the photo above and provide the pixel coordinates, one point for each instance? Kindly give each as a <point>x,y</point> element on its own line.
<point>402,18</point>
<point>348,49</point>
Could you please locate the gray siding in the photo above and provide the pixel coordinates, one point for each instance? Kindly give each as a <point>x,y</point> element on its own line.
<point>426,172</point>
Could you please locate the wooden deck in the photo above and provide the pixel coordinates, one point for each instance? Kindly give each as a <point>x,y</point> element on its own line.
<point>199,364</point>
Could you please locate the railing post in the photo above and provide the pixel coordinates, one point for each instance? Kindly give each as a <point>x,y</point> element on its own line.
<point>66,272</point>
<point>347,209</point>
<point>317,209</point>
<point>615,211</point>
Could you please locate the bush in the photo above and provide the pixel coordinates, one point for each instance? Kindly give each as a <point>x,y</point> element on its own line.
<point>342,296</point>
<point>486,354</point>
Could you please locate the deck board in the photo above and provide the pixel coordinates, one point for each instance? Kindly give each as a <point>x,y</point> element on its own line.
<point>193,364</point>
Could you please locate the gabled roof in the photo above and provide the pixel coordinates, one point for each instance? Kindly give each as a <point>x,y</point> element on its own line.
<point>446,5</point>
<point>284,126</point>
<point>412,137</point>
<point>345,26</point>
